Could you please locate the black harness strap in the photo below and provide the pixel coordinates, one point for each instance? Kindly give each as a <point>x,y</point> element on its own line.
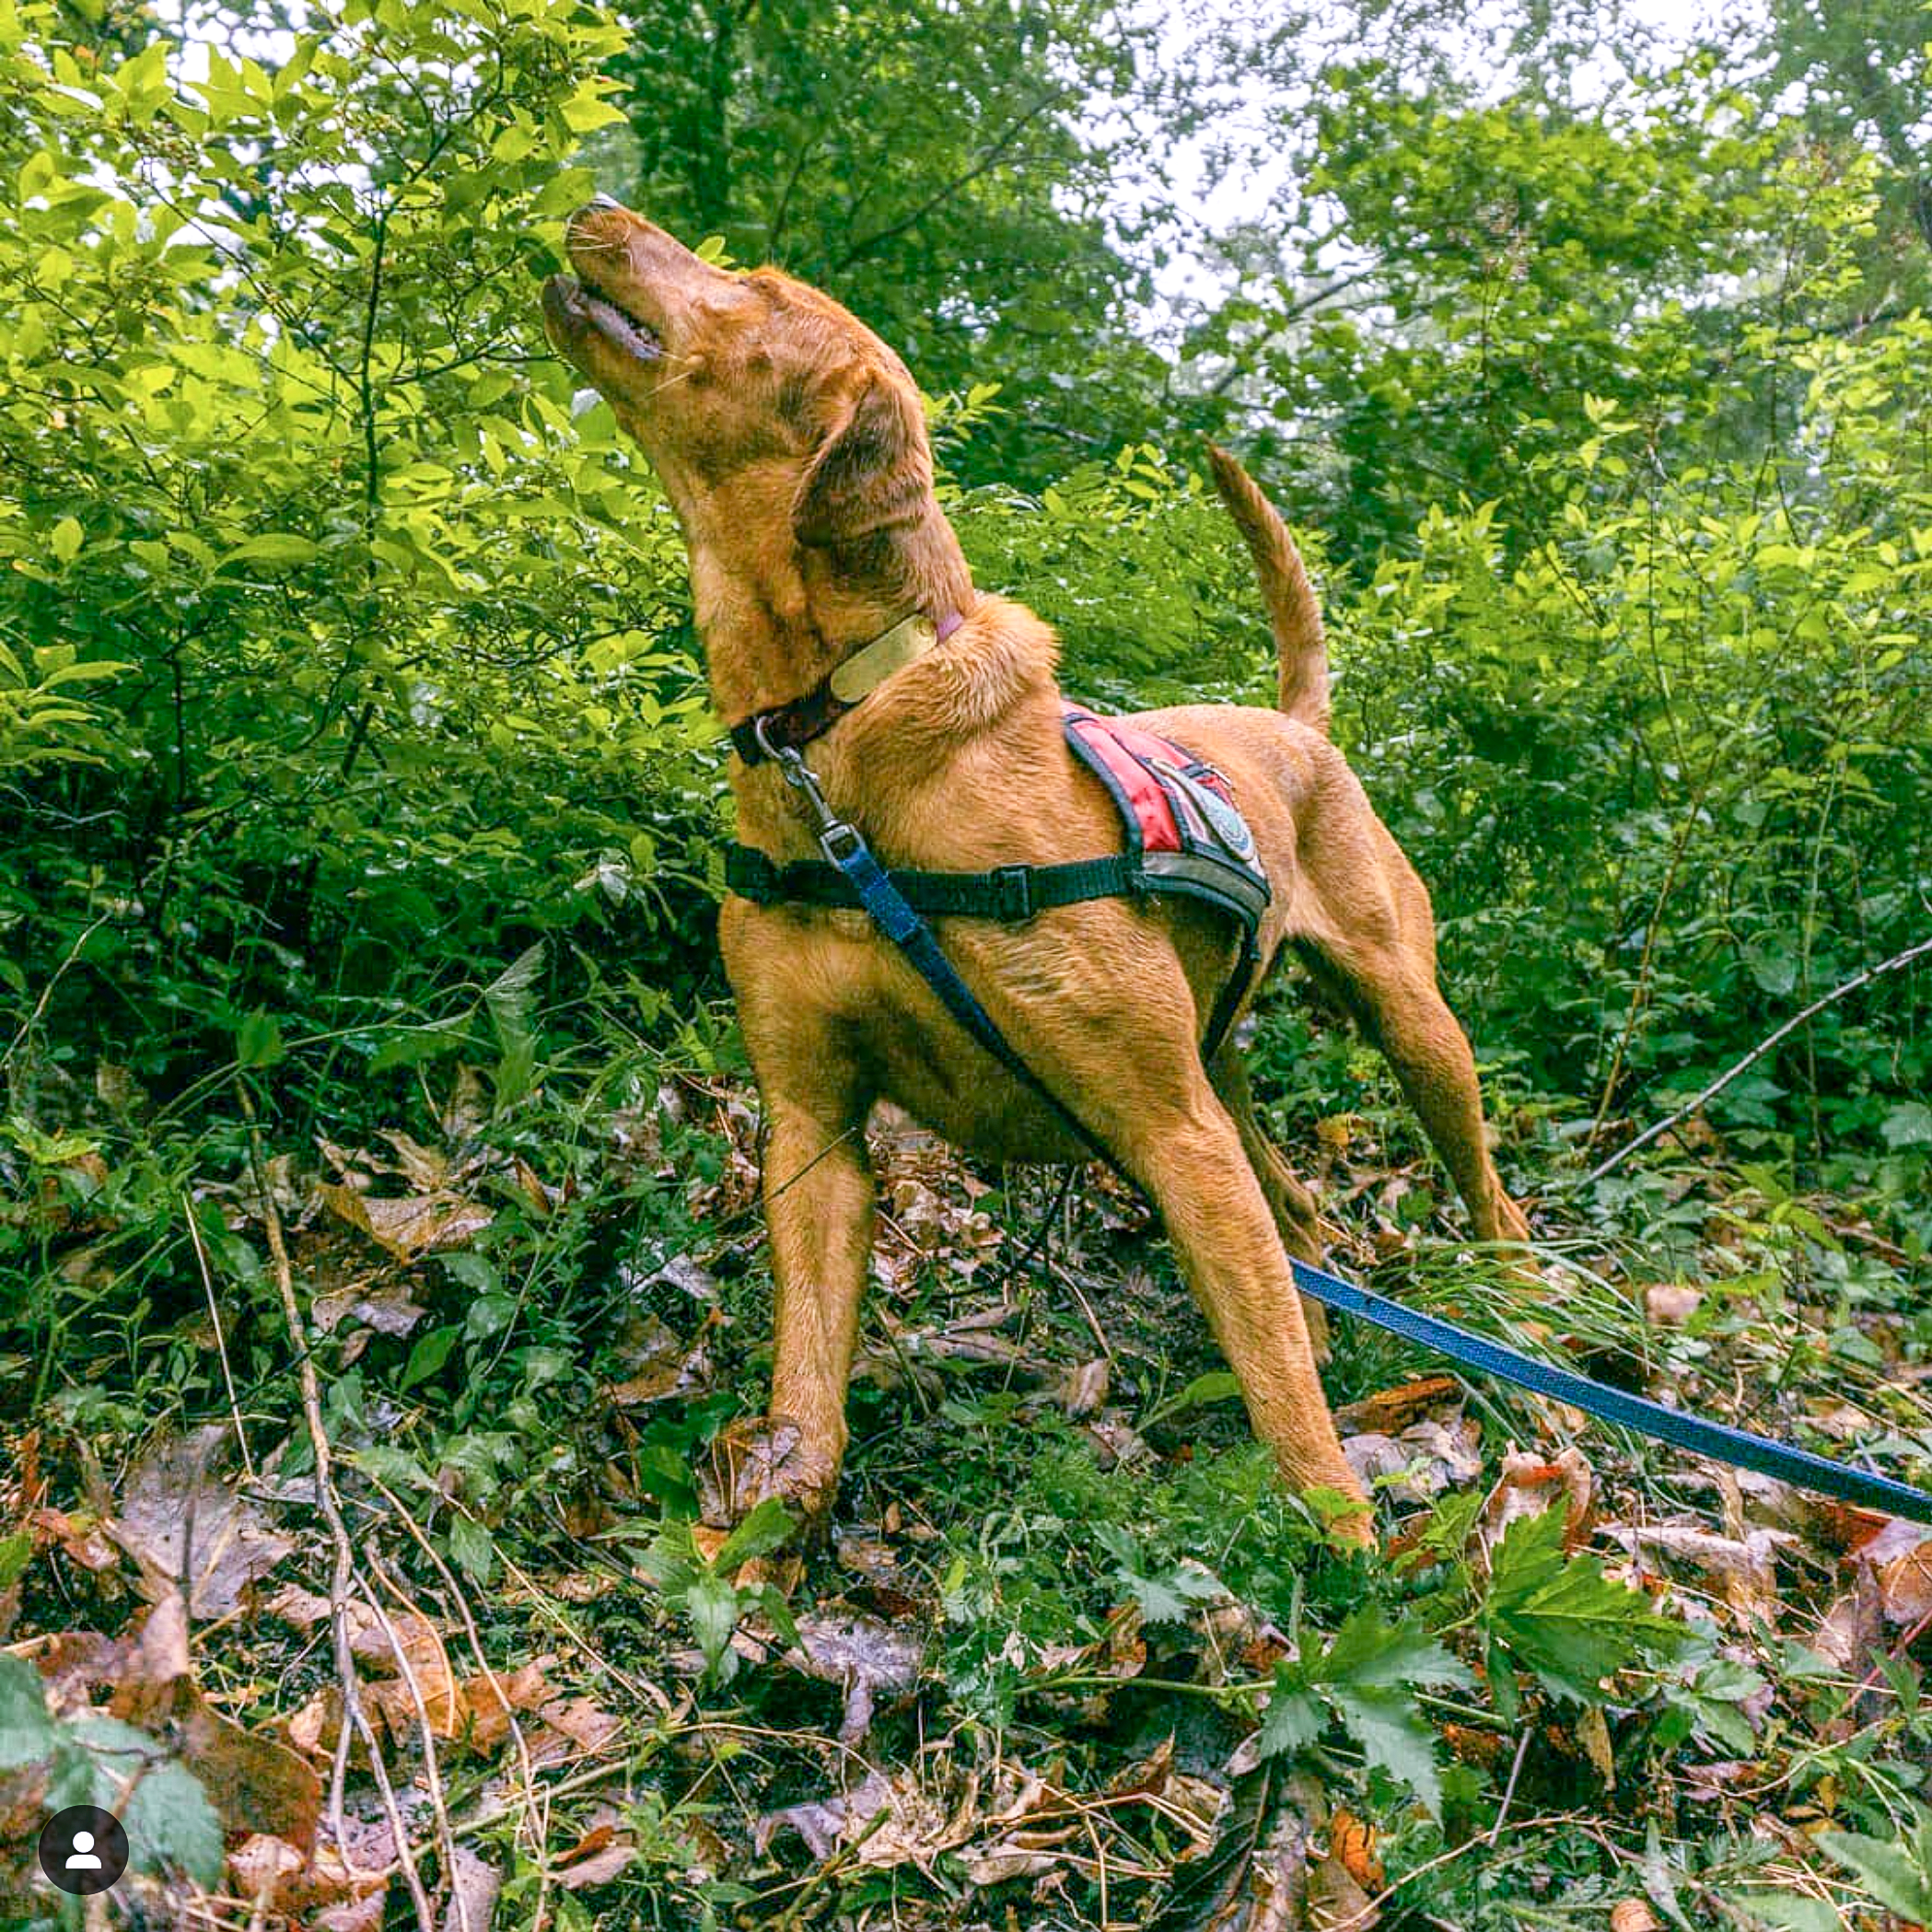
<point>1011,895</point>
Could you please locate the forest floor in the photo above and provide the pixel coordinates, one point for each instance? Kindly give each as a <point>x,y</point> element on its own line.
<point>1068,1660</point>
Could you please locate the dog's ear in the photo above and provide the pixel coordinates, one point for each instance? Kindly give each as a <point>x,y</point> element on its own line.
<point>872,471</point>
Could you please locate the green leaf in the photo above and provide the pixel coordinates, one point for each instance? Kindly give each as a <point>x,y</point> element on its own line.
<point>1293,1719</point>
<point>1560,1617</point>
<point>1369,1652</point>
<point>395,1467</point>
<point>764,1531</point>
<point>472,1551</point>
<point>170,1822</point>
<point>1395,1738</point>
<point>489,1315</point>
<point>1216,1385</point>
<point>65,541</point>
<point>1898,1882</point>
<point>412,1048</point>
<point>25,1731</point>
<point>672,1561</point>
<point>586,110</point>
<point>16,1554</point>
<point>714,1609</point>
<point>257,1040</point>
<point>1908,1125</point>
<point>429,1353</point>
<point>271,547</point>
<point>1167,1595</point>
<point>1786,1911</point>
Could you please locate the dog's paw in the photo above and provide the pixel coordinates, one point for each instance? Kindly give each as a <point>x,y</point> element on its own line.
<point>752,1462</point>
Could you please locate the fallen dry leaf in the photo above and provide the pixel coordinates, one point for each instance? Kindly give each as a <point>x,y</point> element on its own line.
<point>1851,1631</point>
<point>474,1884</point>
<point>866,1657</point>
<point>254,1783</point>
<point>1389,1410</point>
<point>896,1822</point>
<point>1744,1568</point>
<point>1904,1581</point>
<point>1528,1486</point>
<point>1426,1459</point>
<point>599,1869</point>
<point>386,1307</point>
<point>343,1888</point>
<point>1671,1304</point>
<point>409,1226</point>
<point>185,1526</point>
<point>1082,1391</point>
<point>77,1533</point>
<point>1352,1840</point>
<point>663,1367</point>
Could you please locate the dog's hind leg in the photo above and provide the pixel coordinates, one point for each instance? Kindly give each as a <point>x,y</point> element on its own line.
<point>1394,997</point>
<point>1295,1215</point>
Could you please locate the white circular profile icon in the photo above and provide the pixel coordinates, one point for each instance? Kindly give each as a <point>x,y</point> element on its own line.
<point>83,1850</point>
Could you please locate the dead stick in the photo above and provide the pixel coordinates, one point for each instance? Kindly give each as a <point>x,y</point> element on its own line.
<point>432,1771</point>
<point>221,1346</point>
<point>1896,963</point>
<point>342,1581</point>
<point>537,1823</point>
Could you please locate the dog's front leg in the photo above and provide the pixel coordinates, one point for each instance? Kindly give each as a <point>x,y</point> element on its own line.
<point>819,1212</point>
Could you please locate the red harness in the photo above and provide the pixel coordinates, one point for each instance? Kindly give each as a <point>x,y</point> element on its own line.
<point>1183,832</point>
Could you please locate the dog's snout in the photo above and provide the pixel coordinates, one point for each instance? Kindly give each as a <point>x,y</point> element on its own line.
<point>599,206</point>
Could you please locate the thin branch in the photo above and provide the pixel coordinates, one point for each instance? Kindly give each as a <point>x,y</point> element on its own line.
<point>988,160</point>
<point>347,1581</point>
<point>1896,963</point>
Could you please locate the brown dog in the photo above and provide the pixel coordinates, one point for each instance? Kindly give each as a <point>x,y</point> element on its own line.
<point>791,443</point>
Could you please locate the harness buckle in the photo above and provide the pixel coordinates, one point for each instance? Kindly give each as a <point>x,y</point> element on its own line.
<point>1012,893</point>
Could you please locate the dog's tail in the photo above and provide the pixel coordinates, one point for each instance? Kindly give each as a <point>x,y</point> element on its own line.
<point>1292,610</point>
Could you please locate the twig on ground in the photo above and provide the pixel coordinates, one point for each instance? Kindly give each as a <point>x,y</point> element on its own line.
<point>1099,1333</point>
<point>431,1770</point>
<point>537,1817</point>
<point>221,1341</point>
<point>344,1578</point>
<point>59,973</point>
<point>1516,1770</point>
<point>1366,1916</point>
<point>1896,963</point>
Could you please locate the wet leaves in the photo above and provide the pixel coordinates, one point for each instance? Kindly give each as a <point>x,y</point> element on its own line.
<point>189,1526</point>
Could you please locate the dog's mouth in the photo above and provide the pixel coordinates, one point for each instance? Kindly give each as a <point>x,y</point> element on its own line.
<point>611,320</point>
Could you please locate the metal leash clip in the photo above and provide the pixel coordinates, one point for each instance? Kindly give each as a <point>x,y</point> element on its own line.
<point>837,840</point>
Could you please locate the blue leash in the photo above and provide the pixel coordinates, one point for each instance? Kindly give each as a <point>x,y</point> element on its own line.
<point>842,845</point>
<point>1717,1440</point>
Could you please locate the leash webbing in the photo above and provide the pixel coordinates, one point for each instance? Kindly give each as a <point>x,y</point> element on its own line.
<point>888,910</point>
<point>1719,1441</point>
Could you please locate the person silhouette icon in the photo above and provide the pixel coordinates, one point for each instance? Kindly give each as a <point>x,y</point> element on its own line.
<point>83,1850</point>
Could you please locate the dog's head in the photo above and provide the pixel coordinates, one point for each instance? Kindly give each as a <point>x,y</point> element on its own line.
<point>724,376</point>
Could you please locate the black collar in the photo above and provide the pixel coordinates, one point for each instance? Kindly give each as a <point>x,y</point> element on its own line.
<point>788,728</point>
